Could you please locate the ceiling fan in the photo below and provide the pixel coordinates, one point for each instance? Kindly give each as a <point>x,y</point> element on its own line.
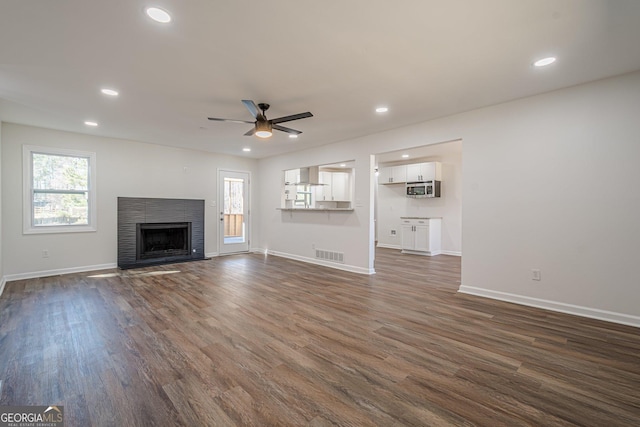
<point>262,126</point>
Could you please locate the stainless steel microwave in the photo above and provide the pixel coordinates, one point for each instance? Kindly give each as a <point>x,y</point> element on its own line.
<point>423,189</point>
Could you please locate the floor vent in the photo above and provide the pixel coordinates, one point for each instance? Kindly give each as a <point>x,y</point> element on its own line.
<point>329,255</point>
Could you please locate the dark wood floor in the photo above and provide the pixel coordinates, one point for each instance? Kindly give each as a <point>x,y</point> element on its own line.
<point>255,340</point>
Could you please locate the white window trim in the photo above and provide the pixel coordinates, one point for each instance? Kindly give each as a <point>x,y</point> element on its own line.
<point>27,186</point>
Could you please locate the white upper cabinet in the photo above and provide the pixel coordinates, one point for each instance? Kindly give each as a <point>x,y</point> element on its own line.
<point>291,176</point>
<point>340,188</point>
<point>337,186</point>
<point>392,175</point>
<point>431,171</point>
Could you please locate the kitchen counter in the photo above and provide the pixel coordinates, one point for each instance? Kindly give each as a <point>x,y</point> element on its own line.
<point>420,217</point>
<point>315,209</point>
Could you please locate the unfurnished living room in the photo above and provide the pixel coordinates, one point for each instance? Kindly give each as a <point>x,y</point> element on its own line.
<point>363,213</point>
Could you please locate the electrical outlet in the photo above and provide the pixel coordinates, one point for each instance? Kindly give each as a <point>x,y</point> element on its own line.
<point>394,233</point>
<point>535,274</point>
<point>45,253</point>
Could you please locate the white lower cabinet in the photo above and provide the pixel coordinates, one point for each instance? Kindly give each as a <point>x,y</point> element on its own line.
<point>421,236</point>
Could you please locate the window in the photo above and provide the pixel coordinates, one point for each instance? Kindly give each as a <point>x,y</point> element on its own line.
<point>59,190</point>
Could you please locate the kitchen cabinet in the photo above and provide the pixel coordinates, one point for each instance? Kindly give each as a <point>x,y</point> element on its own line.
<point>315,188</point>
<point>421,236</point>
<point>431,171</point>
<point>336,188</point>
<point>290,176</point>
<point>392,174</point>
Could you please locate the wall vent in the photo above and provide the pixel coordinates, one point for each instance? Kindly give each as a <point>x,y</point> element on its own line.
<point>330,255</point>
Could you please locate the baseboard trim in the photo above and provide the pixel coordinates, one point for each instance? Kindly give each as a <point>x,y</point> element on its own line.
<point>3,282</point>
<point>388,246</point>
<point>452,253</point>
<point>58,272</point>
<point>217,254</point>
<point>593,313</point>
<point>344,267</point>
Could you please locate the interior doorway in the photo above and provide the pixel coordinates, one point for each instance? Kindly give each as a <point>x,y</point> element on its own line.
<point>391,203</point>
<point>233,196</point>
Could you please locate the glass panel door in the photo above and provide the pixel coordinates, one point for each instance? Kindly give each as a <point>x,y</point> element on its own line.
<point>234,212</point>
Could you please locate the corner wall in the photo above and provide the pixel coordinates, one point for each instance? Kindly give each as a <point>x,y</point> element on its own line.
<point>124,169</point>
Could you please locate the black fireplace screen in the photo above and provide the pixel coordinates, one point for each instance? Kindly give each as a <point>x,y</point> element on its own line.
<point>163,240</point>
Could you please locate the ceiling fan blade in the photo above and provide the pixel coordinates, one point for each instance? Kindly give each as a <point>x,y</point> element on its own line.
<point>291,117</point>
<point>229,120</point>
<point>251,132</point>
<point>287,130</point>
<point>253,109</point>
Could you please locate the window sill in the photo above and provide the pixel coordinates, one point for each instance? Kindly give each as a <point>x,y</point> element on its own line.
<point>55,229</point>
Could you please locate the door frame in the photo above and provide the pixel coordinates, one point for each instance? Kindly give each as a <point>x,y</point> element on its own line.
<point>236,247</point>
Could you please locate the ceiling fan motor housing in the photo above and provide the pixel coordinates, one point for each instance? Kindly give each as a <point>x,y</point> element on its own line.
<point>263,127</point>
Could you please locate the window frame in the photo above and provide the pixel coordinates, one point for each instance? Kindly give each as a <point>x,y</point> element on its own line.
<point>28,190</point>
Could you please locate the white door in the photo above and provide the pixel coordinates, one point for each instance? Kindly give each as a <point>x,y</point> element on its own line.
<point>233,197</point>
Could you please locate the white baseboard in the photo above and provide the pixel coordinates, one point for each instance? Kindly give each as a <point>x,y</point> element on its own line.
<point>345,267</point>
<point>452,253</point>
<point>3,282</point>
<point>388,246</point>
<point>252,250</point>
<point>593,313</point>
<point>58,272</point>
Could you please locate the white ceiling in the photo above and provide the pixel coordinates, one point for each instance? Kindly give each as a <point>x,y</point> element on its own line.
<point>338,59</point>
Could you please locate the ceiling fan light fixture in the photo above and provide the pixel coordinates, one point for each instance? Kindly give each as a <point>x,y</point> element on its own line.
<point>263,129</point>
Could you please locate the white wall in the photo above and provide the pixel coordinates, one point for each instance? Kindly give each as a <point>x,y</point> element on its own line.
<point>124,169</point>
<point>297,234</point>
<point>393,202</point>
<point>549,182</point>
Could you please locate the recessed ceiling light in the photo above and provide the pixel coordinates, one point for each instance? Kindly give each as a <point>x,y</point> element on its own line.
<point>404,156</point>
<point>247,149</point>
<point>109,92</point>
<point>342,165</point>
<point>293,136</point>
<point>158,15</point>
<point>382,109</point>
<point>545,61</point>
<point>90,123</point>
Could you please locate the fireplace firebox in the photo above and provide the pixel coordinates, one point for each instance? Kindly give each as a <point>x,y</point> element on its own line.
<point>164,240</point>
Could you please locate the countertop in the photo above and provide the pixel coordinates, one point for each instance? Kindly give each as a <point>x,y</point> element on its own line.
<point>315,209</point>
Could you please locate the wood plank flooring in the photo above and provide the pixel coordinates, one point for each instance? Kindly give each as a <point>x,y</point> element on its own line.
<point>254,340</point>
